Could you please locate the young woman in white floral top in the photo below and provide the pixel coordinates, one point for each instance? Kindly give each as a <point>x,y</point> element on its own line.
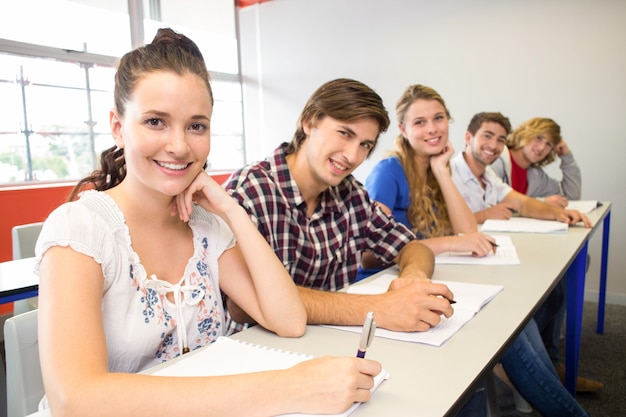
<point>132,272</point>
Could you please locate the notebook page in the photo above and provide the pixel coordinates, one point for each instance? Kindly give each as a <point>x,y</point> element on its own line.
<point>228,356</point>
<point>505,254</point>
<point>469,296</point>
<point>524,224</point>
<point>584,206</point>
<point>470,299</point>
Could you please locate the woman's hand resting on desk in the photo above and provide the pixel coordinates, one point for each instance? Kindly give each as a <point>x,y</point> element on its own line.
<point>330,385</point>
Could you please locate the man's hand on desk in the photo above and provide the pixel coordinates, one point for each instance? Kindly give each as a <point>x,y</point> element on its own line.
<point>412,305</point>
<point>572,217</point>
<point>502,211</point>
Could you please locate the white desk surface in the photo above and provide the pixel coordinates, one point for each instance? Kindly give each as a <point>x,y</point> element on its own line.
<point>432,381</point>
<point>18,276</point>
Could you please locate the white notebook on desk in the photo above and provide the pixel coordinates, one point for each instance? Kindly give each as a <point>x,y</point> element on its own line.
<point>470,299</point>
<point>524,224</point>
<point>505,254</point>
<point>228,356</point>
<point>584,206</point>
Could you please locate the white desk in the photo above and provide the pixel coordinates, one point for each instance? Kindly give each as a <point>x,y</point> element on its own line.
<point>18,280</point>
<point>435,381</point>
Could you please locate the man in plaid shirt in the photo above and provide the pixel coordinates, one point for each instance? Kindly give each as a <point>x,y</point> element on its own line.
<point>322,224</point>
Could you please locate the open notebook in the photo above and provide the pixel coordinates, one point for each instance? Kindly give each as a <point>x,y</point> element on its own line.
<point>584,206</point>
<point>228,356</point>
<point>470,299</point>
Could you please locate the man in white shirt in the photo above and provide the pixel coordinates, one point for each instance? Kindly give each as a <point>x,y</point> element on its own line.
<point>486,194</point>
<point>491,198</point>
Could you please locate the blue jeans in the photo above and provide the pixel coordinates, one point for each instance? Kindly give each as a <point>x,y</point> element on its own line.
<point>549,318</point>
<point>476,406</point>
<point>529,367</point>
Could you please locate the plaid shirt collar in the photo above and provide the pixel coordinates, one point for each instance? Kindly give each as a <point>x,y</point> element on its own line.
<point>331,200</point>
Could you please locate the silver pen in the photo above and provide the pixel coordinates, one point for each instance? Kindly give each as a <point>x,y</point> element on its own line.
<point>367,335</point>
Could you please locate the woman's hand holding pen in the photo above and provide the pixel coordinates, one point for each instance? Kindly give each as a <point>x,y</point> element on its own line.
<point>330,385</point>
<point>478,243</point>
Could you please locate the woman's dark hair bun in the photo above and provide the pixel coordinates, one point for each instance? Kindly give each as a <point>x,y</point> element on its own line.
<point>168,36</point>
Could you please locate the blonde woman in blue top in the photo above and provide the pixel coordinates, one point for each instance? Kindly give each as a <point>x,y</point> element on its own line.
<point>415,184</point>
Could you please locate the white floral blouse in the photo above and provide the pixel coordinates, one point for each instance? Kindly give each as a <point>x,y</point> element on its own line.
<point>142,326</point>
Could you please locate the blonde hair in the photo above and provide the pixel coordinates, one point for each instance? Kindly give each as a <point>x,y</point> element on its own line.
<point>427,213</point>
<point>532,128</point>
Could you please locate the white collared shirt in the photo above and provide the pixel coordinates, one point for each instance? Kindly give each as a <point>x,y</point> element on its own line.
<point>477,197</point>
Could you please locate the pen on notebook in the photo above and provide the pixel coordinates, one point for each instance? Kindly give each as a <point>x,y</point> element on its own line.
<point>367,334</point>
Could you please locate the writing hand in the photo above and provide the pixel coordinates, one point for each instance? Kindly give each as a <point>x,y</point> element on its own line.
<point>352,379</point>
<point>556,201</point>
<point>412,305</point>
<point>478,243</point>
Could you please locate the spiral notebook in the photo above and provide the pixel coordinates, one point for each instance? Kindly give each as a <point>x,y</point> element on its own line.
<point>228,356</point>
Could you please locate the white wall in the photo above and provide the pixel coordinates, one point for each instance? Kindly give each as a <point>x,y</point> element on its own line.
<point>562,59</point>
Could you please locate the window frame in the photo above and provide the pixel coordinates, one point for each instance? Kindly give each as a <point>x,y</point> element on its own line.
<point>88,60</point>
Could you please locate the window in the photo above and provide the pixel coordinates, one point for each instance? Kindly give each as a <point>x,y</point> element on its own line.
<point>56,83</point>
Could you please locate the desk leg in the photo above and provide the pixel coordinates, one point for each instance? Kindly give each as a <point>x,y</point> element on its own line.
<point>575,297</point>
<point>606,228</point>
